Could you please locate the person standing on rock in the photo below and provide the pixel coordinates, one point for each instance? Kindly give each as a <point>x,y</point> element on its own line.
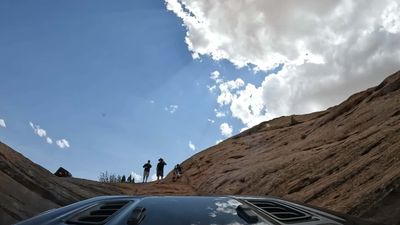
<point>177,172</point>
<point>160,168</point>
<point>146,171</point>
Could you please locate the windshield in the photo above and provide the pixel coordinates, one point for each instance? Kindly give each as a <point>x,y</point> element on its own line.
<point>192,210</point>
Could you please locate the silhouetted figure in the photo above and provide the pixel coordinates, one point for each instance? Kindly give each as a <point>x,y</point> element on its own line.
<point>177,172</point>
<point>160,168</point>
<point>146,171</point>
<point>129,180</point>
<point>123,179</point>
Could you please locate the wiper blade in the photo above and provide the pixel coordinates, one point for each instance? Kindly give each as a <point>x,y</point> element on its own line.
<point>136,216</point>
<point>247,214</point>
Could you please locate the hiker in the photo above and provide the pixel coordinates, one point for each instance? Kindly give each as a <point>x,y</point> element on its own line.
<point>177,172</point>
<point>146,171</point>
<point>160,168</point>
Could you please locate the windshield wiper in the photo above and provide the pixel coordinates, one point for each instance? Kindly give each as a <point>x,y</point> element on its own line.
<point>136,216</point>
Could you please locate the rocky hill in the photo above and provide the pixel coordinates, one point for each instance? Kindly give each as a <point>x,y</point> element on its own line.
<point>346,158</point>
<point>27,189</point>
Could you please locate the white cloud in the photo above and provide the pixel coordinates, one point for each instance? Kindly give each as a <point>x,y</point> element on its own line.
<point>138,178</point>
<point>226,129</point>
<point>391,18</point>
<point>226,89</point>
<point>218,141</point>
<point>171,108</point>
<point>211,121</point>
<point>219,113</point>
<point>153,177</point>
<point>62,143</point>
<point>211,88</point>
<point>2,123</point>
<point>192,146</point>
<point>245,102</point>
<point>49,140</point>
<point>216,76</point>
<point>38,131</point>
<point>329,49</point>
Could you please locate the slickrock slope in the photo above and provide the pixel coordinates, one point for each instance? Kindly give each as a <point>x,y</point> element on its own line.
<point>346,158</point>
<point>27,189</point>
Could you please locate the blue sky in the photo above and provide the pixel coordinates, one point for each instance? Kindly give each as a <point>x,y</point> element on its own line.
<point>101,75</point>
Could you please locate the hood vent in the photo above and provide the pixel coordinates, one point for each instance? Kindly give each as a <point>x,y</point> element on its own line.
<point>279,211</point>
<point>98,214</point>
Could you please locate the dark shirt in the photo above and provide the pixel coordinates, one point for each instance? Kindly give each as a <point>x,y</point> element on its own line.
<point>147,167</point>
<point>178,169</point>
<point>160,166</point>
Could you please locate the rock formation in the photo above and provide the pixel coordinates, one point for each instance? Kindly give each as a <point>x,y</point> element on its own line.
<point>346,158</point>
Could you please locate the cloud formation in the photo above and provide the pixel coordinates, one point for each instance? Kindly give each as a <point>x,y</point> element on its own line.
<point>38,131</point>
<point>328,49</point>
<point>219,113</point>
<point>2,123</point>
<point>216,76</point>
<point>153,177</point>
<point>192,146</point>
<point>171,108</point>
<point>138,178</point>
<point>62,143</point>
<point>226,129</point>
<point>49,140</point>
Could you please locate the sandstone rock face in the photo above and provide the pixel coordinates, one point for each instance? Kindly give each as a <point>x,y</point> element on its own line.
<point>27,189</point>
<point>346,158</point>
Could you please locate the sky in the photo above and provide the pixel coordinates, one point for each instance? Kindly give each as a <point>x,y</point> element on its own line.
<point>96,86</point>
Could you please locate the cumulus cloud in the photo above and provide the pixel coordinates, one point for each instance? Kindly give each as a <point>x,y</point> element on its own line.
<point>153,177</point>
<point>171,108</point>
<point>216,76</point>
<point>192,146</point>
<point>138,178</point>
<point>38,131</point>
<point>2,123</point>
<point>219,113</point>
<point>62,143</point>
<point>226,129</point>
<point>211,88</point>
<point>49,140</point>
<point>211,120</point>
<point>226,89</point>
<point>328,49</point>
<point>391,18</point>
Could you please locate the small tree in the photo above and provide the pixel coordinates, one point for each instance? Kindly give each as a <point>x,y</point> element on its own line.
<point>113,178</point>
<point>123,179</point>
<point>104,177</point>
